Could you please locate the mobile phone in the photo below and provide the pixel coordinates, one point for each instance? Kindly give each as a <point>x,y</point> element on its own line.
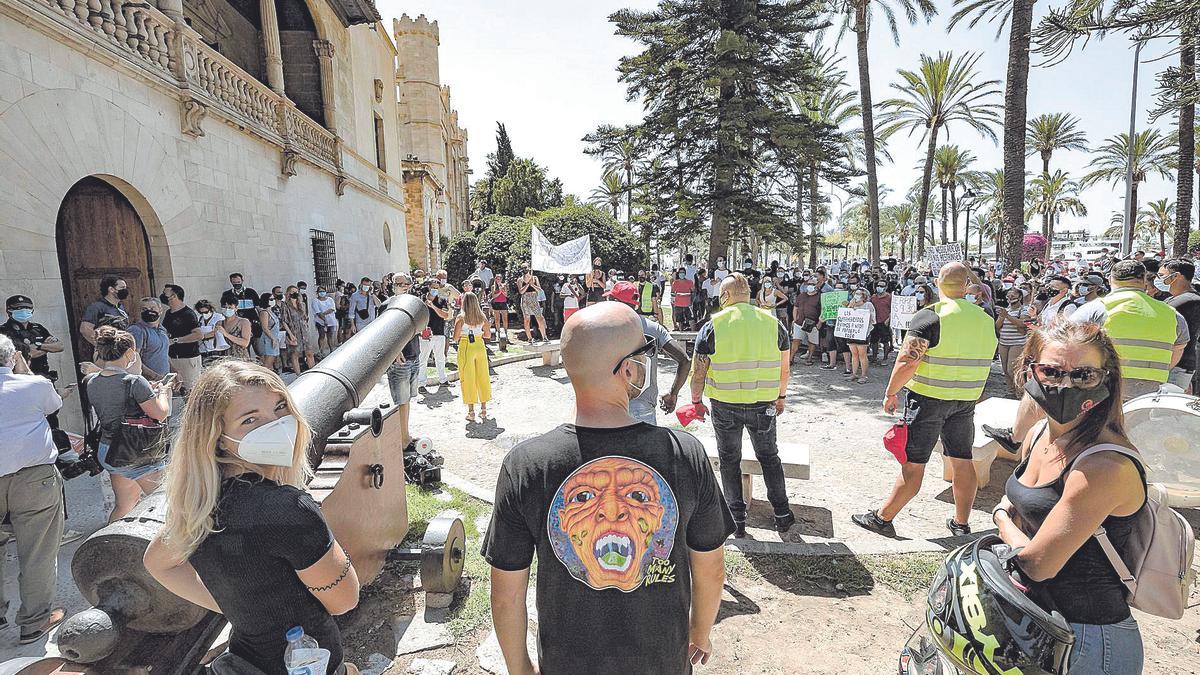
<point>168,379</point>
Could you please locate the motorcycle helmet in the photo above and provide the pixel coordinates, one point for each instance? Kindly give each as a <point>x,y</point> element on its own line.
<point>981,620</point>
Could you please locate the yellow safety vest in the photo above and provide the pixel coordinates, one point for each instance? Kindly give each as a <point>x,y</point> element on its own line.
<point>745,367</point>
<point>957,368</point>
<point>646,290</point>
<point>1143,331</point>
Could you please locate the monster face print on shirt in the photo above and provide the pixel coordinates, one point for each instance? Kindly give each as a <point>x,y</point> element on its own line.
<point>612,524</point>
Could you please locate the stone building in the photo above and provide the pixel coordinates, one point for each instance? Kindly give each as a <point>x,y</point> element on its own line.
<point>177,141</point>
<point>436,176</point>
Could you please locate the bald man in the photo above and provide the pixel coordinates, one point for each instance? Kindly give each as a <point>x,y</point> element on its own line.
<point>942,368</point>
<point>626,519</point>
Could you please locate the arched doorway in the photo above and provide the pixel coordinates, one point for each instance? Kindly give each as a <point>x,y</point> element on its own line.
<point>99,233</point>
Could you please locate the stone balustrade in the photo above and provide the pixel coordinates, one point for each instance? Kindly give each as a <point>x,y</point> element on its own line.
<point>136,28</point>
<point>311,138</point>
<point>224,83</point>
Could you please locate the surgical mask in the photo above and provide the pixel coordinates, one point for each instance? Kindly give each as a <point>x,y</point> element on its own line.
<point>908,282</point>
<point>1065,404</point>
<point>149,315</point>
<point>274,443</point>
<point>1007,286</point>
<point>22,315</point>
<point>768,285</point>
<point>1158,283</point>
<point>433,292</point>
<point>227,312</point>
<point>123,294</point>
<point>921,295</point>
<point>853,286</point>
<point>303,289</point>
<point>970,297</point>
<point>1084,289</point>
<point>364,289</point>
<point>205,315</point>
<point>321,294</point>
<point>810,289</point>
<point>880,289</point>
<point>640,389</point>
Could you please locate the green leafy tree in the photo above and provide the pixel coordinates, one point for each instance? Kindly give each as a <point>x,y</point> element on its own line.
<point>857,17</point>
<point>611,189</point>
<point>1052,196</point>
<point>713,78</point>
<point>496,237</point>
<point>459,256</point>
<point>620,149</point>
<point>525,186</point>
<point>1046,133</point>
<point>499,161</point>
<point>1157,217</point>
<point>942,92</point>
<point>1153,153</point>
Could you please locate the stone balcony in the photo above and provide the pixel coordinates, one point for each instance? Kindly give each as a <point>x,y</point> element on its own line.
<point>141,40</point>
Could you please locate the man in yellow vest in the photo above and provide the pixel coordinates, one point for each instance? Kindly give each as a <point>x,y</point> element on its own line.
<point>944,365</point>
<point>649,298</point>
<point>741,364</point>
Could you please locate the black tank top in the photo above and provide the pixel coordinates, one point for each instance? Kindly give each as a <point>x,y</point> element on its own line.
<point>1087,588</point>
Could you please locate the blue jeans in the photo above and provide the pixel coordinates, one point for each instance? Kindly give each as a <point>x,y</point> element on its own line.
<point>1113,649</point>
<point>728,421</point>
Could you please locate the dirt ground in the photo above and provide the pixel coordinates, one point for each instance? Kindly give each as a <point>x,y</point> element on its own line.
<point>780,613</point>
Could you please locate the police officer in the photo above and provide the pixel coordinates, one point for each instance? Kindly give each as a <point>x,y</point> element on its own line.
<point>741,364</point>
<point>944,365</point>
<point>31,339</point>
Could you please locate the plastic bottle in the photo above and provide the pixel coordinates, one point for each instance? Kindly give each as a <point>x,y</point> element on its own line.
<point>303,654</point>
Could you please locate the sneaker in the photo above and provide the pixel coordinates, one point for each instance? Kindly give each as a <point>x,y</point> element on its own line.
<point>871,521</point>
<point>739,529</point>
<point>956,528</point>
<point>56,617</point>
<point>1004,437</point>
<point>784,523</point>
<point>829,366</point>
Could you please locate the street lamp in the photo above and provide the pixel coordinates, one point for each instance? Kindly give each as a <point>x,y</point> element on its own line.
<point>1130,214</point>
<point>969,202</point>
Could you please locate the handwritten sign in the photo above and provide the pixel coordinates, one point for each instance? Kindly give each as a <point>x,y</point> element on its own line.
<point>945,253</point>
<point>903,308</point>
<point>853,324</point>
<point>831,302</point>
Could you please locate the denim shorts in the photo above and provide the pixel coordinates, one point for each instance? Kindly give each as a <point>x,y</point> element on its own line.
<point>1113,649</point>
<point>130,472</point>
<point>402,381</point>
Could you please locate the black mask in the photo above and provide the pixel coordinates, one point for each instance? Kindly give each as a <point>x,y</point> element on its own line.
<point>279,296</point>
<point>123,293</point>
<point>293,295</point>
<point>149,315</point>
<point>164,299</point>
<point>1065,404</point>
<point>237,287</point>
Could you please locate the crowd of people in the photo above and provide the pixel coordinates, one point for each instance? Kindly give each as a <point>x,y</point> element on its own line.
<point>617,500</point>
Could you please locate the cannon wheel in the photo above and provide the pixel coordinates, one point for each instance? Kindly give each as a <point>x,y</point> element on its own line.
<point>445,549</point>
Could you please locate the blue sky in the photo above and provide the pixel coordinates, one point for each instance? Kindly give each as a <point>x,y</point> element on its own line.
<point>547,69</point>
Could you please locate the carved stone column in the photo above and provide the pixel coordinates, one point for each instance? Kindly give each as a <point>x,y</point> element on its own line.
<point>172,8</point>
<point>270,33</point>
<point>324,49</point>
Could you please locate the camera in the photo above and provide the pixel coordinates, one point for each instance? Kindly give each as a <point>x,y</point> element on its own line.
<point>70,464</point>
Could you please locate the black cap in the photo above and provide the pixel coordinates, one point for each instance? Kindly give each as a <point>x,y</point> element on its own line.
<point>18,302</point>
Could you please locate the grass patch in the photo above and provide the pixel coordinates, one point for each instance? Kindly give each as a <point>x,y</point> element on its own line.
<point>908,574</point>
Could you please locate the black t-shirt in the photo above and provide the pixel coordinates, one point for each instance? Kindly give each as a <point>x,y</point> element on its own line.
<point>412,350</point>
<point>436,323</point>
<point>28,337</point>
<point>1188,305</point>
<point>926,324</point>
<point>180,324</point>
<point>246,299</point>
<point>265,532</point>
<point>611,514</point>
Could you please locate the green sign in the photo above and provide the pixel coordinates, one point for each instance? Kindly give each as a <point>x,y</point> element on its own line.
<point>831,302</point>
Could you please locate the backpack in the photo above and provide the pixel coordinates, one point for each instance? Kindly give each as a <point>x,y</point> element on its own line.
<point>1157,565</point>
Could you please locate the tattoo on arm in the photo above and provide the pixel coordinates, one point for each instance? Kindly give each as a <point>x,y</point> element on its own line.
<point>914,348</point>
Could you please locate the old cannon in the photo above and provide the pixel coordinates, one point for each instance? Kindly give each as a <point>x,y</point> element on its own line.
<point>135,623</point>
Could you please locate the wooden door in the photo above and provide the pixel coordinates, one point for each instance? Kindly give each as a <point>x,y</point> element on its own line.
<point>100,234</point>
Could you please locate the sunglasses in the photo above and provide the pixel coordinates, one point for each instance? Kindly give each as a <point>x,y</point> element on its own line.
<point>648,347</point>
<point>1085,377</point>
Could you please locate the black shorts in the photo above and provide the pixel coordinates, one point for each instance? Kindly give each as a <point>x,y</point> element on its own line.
<point>500,305</point>
<point>930,419</point>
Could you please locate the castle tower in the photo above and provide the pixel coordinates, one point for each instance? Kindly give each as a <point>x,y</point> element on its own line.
<point>419,80</point>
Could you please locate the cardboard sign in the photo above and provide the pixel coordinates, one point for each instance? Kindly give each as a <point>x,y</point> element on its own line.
<point>903,308</point>
<point>945,253</point>
<point>853,324</point>
<point>831,302</point>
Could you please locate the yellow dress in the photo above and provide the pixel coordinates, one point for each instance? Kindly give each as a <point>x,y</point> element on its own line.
<point>473,366</point>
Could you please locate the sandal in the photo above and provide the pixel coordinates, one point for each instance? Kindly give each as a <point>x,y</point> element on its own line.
<point>829,366</point>
<point>862,380</point>
<point>483,414</point>
<point>471,417</point>
<point>56,617</point>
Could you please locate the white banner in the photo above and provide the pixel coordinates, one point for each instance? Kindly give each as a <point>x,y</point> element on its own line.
<point>903,308</point>
<point>940,255</point>
<point>853,324</point>
<point>573,257</point>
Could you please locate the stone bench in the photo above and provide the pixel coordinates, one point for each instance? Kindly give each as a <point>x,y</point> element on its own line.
<point>551,352</point>
<point>994,412</point>
<point>794,457</point>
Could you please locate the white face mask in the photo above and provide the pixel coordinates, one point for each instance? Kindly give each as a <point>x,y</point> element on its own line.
<point>228,312</point>
<point>641,389</point>
<point>273,444</point>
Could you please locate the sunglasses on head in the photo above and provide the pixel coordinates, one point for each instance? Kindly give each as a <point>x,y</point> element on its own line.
<point>1084,377</point>
<point>648,347</point>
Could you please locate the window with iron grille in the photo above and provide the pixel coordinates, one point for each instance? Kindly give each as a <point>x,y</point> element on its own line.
<point>324,258</point>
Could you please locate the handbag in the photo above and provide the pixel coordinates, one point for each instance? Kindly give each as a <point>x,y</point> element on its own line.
<point>895,440</point>
<point>138,441</point>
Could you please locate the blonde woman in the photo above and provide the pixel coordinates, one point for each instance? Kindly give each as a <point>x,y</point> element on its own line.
<point>471,330</point>
<point>241,535</point>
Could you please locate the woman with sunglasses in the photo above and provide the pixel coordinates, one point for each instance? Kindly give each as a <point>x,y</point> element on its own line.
<point>1057,498</point>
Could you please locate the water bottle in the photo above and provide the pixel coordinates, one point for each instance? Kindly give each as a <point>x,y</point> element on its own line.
<point>303,655</point>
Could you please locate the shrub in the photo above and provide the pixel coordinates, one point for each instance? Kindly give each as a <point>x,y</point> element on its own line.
<point>1034,246</point>
<point>460,256</point>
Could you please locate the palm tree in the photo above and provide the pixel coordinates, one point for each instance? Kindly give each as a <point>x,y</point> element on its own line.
<point>612,188</point>
<point>1153,152</point>
<point>1046,133</point>
<point>1055,195</point>
<point>989,199</point>
<point>942,92</point>
<point>1156,217</point>
<point>949,163</point>
<point>1019,15</point>
<point>900,216</point>
<point>859,12</point>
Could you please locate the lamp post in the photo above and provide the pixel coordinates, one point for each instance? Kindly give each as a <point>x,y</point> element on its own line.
<point>1127,229</point>
<point>969,203</point>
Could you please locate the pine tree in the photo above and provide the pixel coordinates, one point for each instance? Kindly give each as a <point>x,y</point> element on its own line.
<point>720,135</point>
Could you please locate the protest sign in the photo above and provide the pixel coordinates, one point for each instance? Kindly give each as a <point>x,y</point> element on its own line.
<point>903,308</point>
<point>573,257</point>
<point>945,253</point>
<point>831,302</point>
<point>853,324</point>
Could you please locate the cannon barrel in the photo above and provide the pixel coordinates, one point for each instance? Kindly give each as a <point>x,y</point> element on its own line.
<point>340,382</point>
<point>108,567</point>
